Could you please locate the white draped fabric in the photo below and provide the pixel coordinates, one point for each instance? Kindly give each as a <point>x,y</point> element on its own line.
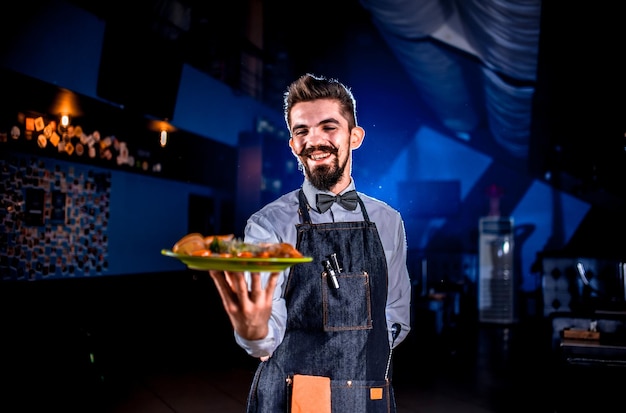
<point>445,45</point>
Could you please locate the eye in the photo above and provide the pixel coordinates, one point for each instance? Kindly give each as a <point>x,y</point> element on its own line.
<point>300,132</point>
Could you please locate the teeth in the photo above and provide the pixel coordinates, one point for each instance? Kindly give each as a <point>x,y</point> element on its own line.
<point>318,157</point>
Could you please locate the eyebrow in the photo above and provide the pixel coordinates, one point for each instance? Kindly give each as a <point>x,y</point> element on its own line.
<point>323,122</point>
<point>329,120</point>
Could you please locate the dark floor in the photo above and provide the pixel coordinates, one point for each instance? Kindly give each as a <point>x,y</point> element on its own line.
<point>169,352</point>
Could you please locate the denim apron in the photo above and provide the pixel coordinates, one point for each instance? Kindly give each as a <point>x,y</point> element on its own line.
<point>340,333</point>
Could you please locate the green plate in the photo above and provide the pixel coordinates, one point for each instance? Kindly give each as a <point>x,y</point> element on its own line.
<point>236,264</point>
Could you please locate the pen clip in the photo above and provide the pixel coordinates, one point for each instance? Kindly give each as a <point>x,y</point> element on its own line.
<point>332,276</point>
<point>335,263</point>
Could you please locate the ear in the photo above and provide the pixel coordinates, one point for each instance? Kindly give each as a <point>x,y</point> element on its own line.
<point>293,151</point>
<point>357,134</point>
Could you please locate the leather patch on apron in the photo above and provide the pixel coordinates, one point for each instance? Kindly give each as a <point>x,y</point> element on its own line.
<point>310,394</point>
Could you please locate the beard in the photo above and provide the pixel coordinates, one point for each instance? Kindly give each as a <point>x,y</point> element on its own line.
<point>323,177</point>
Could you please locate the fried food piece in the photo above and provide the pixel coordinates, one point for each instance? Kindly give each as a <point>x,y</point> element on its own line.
<point>189,243</point>
<point>282,250</point>
<point>208,240</point>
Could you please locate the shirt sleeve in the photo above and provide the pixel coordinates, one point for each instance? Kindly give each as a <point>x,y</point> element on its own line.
<point>399,289</point>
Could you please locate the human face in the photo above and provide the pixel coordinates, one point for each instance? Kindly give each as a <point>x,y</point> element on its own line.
<point>323,143</point>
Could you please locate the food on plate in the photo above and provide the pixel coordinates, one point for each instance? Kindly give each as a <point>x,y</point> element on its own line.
<point>196,244</point>
<point>189,243</point>
<point>216,238</point>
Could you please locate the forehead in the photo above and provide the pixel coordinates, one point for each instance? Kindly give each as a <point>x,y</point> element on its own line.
<point>315,111</point>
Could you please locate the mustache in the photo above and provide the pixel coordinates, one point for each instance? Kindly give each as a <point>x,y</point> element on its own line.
<point>322,148</point>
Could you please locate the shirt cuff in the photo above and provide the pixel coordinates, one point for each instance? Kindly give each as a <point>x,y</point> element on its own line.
<point>258,348</point>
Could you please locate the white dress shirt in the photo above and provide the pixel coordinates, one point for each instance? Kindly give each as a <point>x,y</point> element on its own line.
<point>276,222</point>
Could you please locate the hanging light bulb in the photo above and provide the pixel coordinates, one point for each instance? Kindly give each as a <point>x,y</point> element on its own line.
<point>163,127</point>
<point>65,120</point>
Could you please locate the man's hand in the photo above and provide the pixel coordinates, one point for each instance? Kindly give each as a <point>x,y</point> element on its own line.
<point>248,309</point>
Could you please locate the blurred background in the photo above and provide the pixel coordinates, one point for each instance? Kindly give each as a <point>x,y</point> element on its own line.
<point>496,128</point>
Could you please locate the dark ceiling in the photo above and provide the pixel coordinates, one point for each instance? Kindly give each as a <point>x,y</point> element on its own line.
<point>538,86</point>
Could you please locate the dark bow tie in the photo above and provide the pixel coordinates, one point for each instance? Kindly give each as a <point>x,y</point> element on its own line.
<point>347,200</point>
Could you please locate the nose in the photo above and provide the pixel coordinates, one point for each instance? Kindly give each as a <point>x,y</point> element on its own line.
<point>315,137</point>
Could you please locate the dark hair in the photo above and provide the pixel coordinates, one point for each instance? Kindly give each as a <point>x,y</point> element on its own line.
<point>310,87</point>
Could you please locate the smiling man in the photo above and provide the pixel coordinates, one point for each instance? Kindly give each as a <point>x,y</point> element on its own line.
<point>323,330</point>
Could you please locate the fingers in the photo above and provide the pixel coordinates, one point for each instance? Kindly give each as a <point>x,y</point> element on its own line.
<point>237,282</point>
<point>262,294</point>
<point>271,286</point>
<point>234,283</point>
<point>248,308</point>
<point>225,291</point>
<point>219,280</point>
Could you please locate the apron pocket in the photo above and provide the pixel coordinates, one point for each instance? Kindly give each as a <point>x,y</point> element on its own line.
<point>361,396</point>
<point>348,307</point>
<point>310,394</point>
